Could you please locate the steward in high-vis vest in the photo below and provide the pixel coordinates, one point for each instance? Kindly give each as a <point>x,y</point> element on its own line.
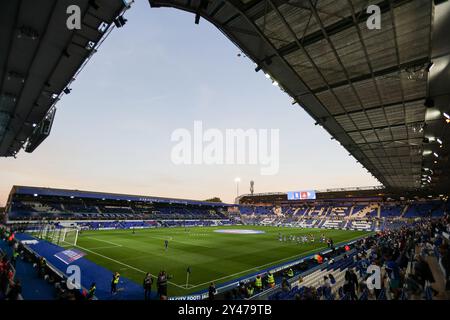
<point>91,292</point>
<point>15,255</point>
<point>270,280</point>
<point>250,291</point>
<point>42,264</point>
<point>290,273</point>
<point>115,282</point>
<point>258,283</point>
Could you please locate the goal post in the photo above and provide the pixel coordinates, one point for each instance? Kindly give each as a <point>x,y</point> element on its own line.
<point>62,236</point>
<point>69,236</point>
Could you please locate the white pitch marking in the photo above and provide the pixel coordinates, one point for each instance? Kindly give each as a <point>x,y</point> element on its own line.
<point>118,245</point>
<point>273,262</point>
<point>124,264</point>
<point>225,277</point>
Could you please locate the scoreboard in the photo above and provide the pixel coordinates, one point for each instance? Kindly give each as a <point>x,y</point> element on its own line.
<point>301,195</point>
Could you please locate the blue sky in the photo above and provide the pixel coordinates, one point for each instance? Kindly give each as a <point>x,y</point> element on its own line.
<point>159,73</point>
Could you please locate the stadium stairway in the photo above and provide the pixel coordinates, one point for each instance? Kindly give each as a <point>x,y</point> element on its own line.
<point>315,279</point>
<point>33,287</point>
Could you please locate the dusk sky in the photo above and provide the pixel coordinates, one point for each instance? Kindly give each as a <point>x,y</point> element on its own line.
<point>159,73</point>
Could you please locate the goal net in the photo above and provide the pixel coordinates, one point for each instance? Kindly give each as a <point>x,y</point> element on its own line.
<point>64,237</point>
<point>68,237</point>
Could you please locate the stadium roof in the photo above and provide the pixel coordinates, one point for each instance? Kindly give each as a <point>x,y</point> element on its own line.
<point>39,58</point>
<point>52,192</point>
<point>367,88</point>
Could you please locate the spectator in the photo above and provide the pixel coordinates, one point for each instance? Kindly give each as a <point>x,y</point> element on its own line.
<point>250,290</point>
<point>211,291</point>
<point>422,272</point>
<point>285,286</point>
<point>332,279</point>
<point>326,282</point>
<point>258,283</point>
<point>270,280</point>
<point>242,290</point>
<point>115,282</point>
<point>14,291</point>
<point>393,273</point>
<point>42,264</point>
<point>91,293</point>
<point>148,282</point>
<point>444,263</point>
<point>350,284</point>
<point>161,284</point>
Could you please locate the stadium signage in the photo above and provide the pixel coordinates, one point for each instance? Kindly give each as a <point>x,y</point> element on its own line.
<point>193,297</point>
<point>69,256</point>
<point>30,242</point>
<point>302,195</point>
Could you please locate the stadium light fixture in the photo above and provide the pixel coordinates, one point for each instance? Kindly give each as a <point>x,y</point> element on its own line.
<point>435,154</point>
<point>439,141</point>
<point>237,180</point>
<point>28,32</point>
<point>121,21</point>
<point>16,75</point>
<point>267,75</point>
<point>275,83</point>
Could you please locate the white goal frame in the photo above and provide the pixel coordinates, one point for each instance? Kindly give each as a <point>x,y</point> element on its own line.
<point>63,236</point>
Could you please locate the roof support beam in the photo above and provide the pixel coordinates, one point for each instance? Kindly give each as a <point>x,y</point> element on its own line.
<point>397,103</point>
<point>339,26</point>
<point>377,73</point>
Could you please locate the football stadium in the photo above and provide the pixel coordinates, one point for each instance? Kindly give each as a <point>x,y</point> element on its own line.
<point>373,78</point>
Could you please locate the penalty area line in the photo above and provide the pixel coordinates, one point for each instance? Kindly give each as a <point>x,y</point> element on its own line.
<point>117,245</point>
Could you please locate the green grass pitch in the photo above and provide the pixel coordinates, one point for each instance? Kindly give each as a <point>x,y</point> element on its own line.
<point>212,256</point>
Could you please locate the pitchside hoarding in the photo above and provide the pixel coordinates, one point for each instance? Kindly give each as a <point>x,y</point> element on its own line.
<point>302,195</point>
